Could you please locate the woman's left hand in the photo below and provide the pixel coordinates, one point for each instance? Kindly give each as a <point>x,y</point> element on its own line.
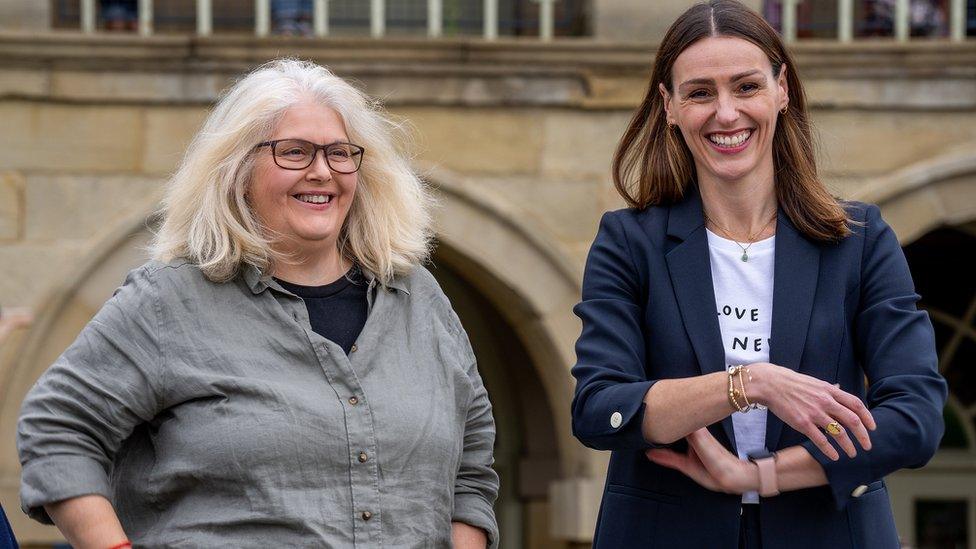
<point>709,464</point>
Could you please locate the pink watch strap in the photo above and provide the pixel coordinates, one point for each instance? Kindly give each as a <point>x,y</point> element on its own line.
<point>767,476</point>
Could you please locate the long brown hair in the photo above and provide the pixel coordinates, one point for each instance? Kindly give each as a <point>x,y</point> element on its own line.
<point>653,165</point>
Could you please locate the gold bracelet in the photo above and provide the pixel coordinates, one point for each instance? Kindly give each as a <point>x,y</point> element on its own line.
<point>742,384</point>
<point>733,392</point>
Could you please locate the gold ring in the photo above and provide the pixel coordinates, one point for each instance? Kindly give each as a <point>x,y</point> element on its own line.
<point>833,428</point>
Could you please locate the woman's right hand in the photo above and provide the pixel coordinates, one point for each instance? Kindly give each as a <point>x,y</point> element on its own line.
<point>808,405</point>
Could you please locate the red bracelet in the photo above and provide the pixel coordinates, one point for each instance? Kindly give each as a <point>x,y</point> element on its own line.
<point>122,545</point>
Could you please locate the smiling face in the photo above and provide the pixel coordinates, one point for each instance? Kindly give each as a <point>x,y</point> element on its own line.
<point>304,208</point>
<point>726,101</point>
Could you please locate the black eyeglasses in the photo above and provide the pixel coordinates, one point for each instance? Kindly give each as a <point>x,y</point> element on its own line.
<point>298,154</point>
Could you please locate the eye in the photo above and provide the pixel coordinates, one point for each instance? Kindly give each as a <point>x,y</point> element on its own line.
<point>340,152</point>
<point>293,149</point>
<point>748,87</point>
<point>699,94</point>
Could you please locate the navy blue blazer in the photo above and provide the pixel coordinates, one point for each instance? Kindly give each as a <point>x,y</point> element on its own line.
<point>841,311</point>
<point>7,540</point>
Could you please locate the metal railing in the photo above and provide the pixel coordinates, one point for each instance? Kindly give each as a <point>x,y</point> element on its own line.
<point>435,22</point>
<point>320,18</point>
<point>902,20</point>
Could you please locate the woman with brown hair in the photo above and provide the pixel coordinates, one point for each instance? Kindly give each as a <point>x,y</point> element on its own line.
<point>732,313</point>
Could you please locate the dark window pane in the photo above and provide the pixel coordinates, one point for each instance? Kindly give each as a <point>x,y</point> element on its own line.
<point>955,431</point>
<point>874,18</point>
<point>406,17</point>
<point>175,16</point>
<point>929,18</point>
<point>813,19</point>
<point>971,18</point>
<point>941,278</point>
<point>943,333</point>
<point>961,372</point>
<point>349,15</point>
<point>66,14</point>
<point>941,524</point>
<point>235,16</point>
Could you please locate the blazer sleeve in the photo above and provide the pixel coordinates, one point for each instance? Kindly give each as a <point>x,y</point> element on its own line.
<point>77,415</point>
<point>608,405</point>
<point>895,345</point>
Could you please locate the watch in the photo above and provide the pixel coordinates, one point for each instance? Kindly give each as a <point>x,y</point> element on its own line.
<point>766,462</point>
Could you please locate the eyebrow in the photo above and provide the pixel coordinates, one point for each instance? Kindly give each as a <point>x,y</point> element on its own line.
<point>711,82</point>
<point>336,142</point>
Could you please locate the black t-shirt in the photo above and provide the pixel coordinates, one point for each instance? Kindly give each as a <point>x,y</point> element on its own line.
<point>337,311</point>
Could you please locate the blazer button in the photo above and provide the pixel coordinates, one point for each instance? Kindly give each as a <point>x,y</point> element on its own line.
<point>859,491</point>
<point>353,400</point>
<point>616,419</point>
<point>363,458</point>
<point>367,515</point>
<point>354,348</point>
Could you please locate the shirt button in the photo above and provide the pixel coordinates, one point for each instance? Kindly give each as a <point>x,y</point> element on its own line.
<point>859,491</point>
<point>616,419</point>
<point>363,457</point>
<point>367,515</point>
<point>354,348</point>
<point>353,400</point>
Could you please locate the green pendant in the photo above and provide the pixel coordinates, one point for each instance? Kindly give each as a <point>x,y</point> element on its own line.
<point>745,256</point>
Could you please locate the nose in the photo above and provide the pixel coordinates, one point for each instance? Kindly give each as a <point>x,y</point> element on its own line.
<point>318,170</point>
<point>726,109</point>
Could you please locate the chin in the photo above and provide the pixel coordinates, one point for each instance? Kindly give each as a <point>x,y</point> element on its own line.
<point>316,239</point>
<point>730,175</point>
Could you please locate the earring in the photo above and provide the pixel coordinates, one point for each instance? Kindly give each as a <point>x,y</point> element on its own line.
<point>670,125</point>
<point>786,108</point>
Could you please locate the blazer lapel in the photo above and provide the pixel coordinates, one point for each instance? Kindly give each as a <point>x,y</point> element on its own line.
<point>691,277</point>
<point>795,271</point>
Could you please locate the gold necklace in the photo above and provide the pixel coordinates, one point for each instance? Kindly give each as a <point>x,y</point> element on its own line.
<point>750,239</point>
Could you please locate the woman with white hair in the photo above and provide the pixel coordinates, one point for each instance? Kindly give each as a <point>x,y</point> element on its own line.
<point>284,372</point>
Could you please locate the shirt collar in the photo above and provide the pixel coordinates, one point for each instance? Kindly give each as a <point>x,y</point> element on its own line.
<point>258,281</point>
<point>255,279</point>
<point>397,283</point>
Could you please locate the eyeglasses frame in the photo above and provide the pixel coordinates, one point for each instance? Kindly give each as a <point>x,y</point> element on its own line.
<point>325,152</point>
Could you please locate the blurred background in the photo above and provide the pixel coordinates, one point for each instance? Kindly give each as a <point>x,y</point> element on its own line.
<point>515,107</point>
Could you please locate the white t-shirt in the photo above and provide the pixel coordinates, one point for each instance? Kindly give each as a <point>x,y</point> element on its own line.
<point>744,296</point>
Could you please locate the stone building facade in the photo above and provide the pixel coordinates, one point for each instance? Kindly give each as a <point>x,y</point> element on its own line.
<point>515,137</point>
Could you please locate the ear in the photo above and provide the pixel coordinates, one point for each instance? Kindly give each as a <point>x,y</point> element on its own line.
<point>784,87</point>
<point>666,96</point>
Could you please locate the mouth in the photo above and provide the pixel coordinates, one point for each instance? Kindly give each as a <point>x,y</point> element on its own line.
<point>320,199</point>
<point>730,142</point>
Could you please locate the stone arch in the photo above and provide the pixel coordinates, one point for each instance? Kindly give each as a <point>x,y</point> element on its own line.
<point>520,267</point>
<point>927,194</point>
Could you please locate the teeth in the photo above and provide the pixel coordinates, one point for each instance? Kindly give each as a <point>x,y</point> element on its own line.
<point>315,198</point>
<point>727,141</point>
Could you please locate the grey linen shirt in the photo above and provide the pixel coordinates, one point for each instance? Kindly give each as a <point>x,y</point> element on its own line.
<point>212,415</point>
